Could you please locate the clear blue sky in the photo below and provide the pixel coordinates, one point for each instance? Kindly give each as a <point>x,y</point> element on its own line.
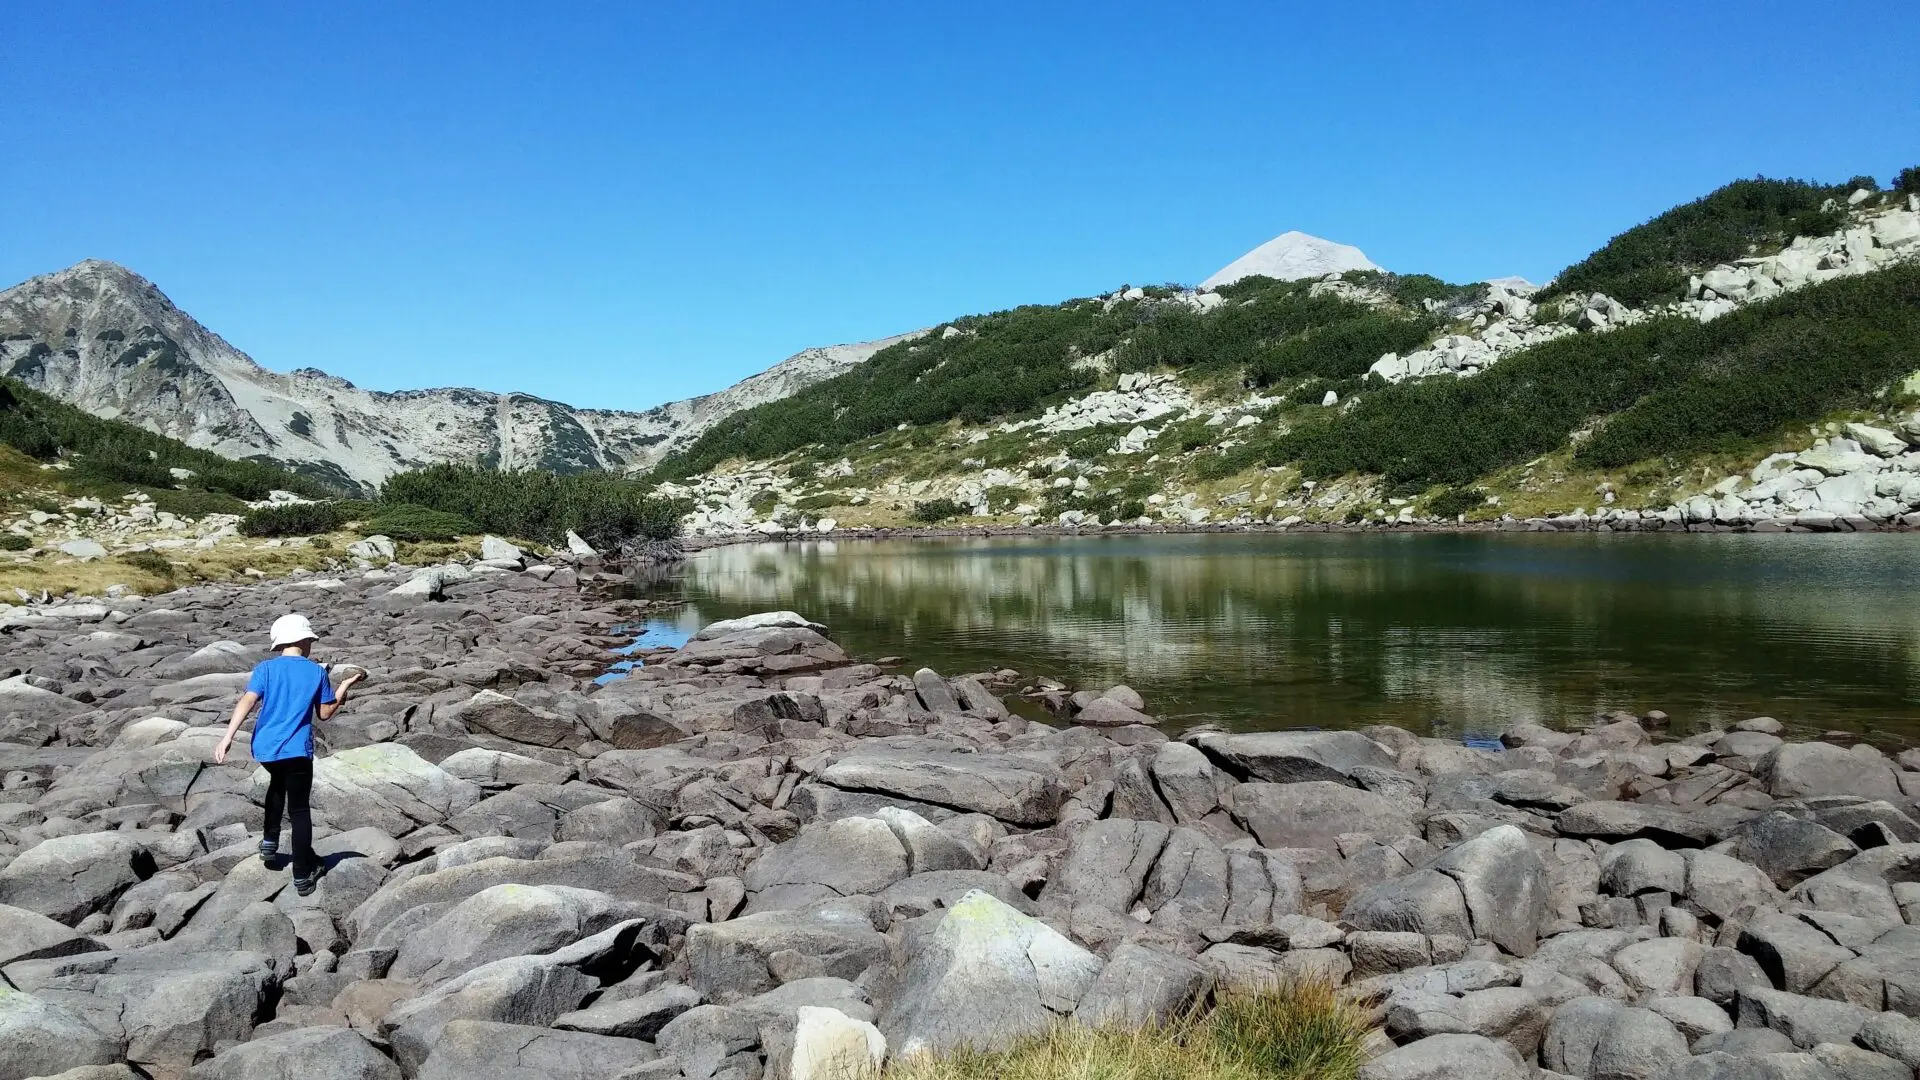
<point>620,204</point>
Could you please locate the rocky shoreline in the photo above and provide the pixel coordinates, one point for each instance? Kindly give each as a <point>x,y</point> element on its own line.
<point>1564,523</point>
<point>756,856</point>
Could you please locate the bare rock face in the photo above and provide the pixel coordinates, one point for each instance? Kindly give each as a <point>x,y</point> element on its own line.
<point>1290,257</point>
<point>101,337</point>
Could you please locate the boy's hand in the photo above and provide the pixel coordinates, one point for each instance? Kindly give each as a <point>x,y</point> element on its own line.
<point>220,751</point>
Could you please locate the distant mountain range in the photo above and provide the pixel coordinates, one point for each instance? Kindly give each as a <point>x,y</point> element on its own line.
<point>101,337</point>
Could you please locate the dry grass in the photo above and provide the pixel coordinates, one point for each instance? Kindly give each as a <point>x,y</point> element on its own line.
<point>1297,1032</point>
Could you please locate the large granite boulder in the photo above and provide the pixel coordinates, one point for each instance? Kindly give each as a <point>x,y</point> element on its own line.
<point>985,976</point>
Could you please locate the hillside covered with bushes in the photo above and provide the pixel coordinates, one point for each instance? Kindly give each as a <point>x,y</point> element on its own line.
<point>1623,377</point>
<point>109,458</point>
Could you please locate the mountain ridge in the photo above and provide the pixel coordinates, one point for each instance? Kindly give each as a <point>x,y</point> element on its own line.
<point>101,336</point>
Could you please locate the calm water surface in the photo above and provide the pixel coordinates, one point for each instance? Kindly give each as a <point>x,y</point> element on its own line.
<point>1460,635</point>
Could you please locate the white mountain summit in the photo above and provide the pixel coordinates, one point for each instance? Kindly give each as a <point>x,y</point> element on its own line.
<point>1290,257</point>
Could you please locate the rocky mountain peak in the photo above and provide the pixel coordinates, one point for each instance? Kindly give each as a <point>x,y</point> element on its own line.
<point>101,337</point>
<point>1291,256</point>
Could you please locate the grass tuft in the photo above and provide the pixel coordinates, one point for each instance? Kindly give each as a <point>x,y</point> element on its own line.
<point>1300,1031</point>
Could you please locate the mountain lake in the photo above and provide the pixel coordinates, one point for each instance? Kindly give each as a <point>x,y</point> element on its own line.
<point>1456,635</point>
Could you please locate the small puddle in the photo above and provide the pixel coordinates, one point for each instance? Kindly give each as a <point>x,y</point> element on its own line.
<point>647,636</point>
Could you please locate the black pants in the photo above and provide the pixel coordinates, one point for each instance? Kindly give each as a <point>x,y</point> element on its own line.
<point>289,787</point>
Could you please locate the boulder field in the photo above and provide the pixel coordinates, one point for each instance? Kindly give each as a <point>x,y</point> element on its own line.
<point>753,856</point>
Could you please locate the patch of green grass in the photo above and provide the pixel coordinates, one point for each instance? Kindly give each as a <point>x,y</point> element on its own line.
<point>13,542</point>
<point>1296,1032</point>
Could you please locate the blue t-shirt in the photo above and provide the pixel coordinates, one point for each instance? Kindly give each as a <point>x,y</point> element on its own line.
<point>289,688</point>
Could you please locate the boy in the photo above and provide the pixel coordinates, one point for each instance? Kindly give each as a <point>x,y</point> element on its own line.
<point>291,690</point>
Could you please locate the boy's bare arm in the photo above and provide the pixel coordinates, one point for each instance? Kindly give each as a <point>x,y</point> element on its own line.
<point>340,695</point>
<point>240,710</point>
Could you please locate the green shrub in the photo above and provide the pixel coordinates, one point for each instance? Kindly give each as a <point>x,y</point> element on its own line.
<point>1908,182</point>
<point>292,519</point>
<point>195,504</point>
<point>1669,385</point>
<point>110,450</point>
<point>151,562</point>
<point>935,511</point>
<point>126,462</point>
<point>1455,501</point>
<point>14,542</point>
<point>607,510</point>
<point>1649,263</point>
<point>407,521</point>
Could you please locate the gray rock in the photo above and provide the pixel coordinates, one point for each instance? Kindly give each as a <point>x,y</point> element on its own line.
<point>1425,902</point>
<point>703,1038</point>
<point>923,893</point>
<point>529,990</point>
<point>29,935</point>
<point>468,1049</point>
<point>1693,1017</point>
<point>985,976</point>
<point>506,921</point>
<point>1108,865</point>
<point>1722,886</point>
<point>1504,885</point>
<point>1894,1035</point>
<point>1014,789</point>
<point>632,1018</point>
<point>850,856</point>
<point>313,1053</point>
<point>1575,1033</point>
<point>1853,1063</point>
<point>1448,1057</point>
<point>1807,1021</point>
<point>1660,967</point>
<point>1512,1014</point>
<point>483,766</point>
<point>1794,955</point>
<point>1639,1044</point>
<point>1380,952</point>
<point>935,695</point>
<point>497,714</point>
<point>1107,713</point>
<point>1287,757</point>
<point>1790,849</point>
<point>388,787</point>
<point>1141,987</point>
<point>40,1038</point>
<point>1744,1042</point>
<point>1717,1065</point>
<point>1633,867</point>
<point>70,877</point>
<point>1314,814</point>
<point>1723,973</point>
<point>1617,821</point>
<point>1799,770</point>
<point>750,955</point>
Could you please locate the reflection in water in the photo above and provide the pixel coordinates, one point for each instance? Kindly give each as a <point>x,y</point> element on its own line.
<point>1457,634</point>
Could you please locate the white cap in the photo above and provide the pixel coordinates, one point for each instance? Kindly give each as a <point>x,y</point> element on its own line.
<point>292,630</point>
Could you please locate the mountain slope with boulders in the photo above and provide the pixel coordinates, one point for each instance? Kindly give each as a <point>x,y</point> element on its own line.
<point>101,337</point>
<point>1763,371</point>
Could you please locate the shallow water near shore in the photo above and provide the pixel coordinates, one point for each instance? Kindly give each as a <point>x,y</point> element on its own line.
<point>1458,635</point>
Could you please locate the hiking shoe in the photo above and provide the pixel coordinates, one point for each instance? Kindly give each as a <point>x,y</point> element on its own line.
<point>268,849</point>
<point>305,885</point>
